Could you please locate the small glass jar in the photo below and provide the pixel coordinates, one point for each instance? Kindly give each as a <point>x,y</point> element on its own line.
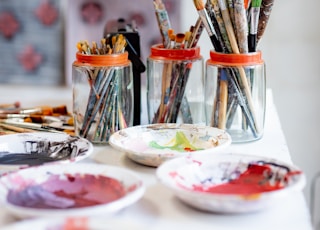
<point>235,94</point>
<point>175,91</point>
<point>102,95</point>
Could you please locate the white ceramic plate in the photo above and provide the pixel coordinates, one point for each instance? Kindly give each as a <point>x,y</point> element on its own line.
<point>27,149</point>
<point>225,183</point>
<point>88,223</point>
<point>155,143</point>
<point>80,189</point>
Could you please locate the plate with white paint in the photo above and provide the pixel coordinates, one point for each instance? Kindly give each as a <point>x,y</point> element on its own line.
<point>59,191</point>
<point>37,148</point>
<point>230,182</point>
<point>154,144</point>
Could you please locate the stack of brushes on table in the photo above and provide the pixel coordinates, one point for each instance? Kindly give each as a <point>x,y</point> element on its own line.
<point>15,119</point>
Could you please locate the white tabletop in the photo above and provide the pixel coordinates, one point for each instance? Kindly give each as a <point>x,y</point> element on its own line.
<point>159,208</point>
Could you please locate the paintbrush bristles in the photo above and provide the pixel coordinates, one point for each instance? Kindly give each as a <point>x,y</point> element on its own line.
<point>158,5</point>
<point>198,4</point>
<point>118,43</point>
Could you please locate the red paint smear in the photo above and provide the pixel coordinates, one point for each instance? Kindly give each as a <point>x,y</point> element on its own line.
<point>252,181</point>
<point>188,149</point>
<point>74,191</point>
<point>86,190</point>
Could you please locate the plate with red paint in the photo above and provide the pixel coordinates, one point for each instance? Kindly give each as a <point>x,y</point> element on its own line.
<point>230,182</point>
<point>154,144</point>
<point>37,148</point>
<point>81,189</point>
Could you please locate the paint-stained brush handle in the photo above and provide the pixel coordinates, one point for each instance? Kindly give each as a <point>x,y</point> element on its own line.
<point>265,11</point>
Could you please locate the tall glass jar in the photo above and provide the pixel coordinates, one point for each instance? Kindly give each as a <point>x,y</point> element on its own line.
<point>235,94</point>
<point>102,95</point>
<point>175,91</point>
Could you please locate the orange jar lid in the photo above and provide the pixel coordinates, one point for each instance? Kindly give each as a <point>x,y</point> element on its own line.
<point>231,59</point>
<point>102,60</point>
<point>158,52</point>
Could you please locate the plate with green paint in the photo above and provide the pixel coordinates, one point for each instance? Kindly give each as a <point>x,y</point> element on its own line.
<point>154,144</point>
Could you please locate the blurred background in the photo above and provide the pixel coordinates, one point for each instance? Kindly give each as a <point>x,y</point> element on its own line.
<point>46,31</point>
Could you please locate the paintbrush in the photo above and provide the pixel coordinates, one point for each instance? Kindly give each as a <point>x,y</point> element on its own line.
<point>223,100</point>
<point>207,24</point>
<point>215,23</point>
<point>43,110</point>
<point>241,25</point>
<point>196,32</point>
<point>36,126</point>
<point>9,106</point>
<point>32,118</point>
<point>265,11</point>
<point>16,129</point>
<point>163,21</point>
<point>179,41</point>
<point>228,25</point>
<point>254,21</point>
<point>217,13</point>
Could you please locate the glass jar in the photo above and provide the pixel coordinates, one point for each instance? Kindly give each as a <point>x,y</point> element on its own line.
<point>175,91</point>
<point>235,94</point>
<point>102,95</point>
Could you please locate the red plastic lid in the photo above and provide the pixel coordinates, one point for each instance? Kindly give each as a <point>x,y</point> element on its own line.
<point>253,58</point>
<point>158,52</point>
<point>103,60</point>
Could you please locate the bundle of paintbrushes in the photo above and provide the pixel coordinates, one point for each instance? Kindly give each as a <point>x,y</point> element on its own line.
<point>179,53</point>
<point>102,89</point>
<point>235,27</point>
<point>14,119</point>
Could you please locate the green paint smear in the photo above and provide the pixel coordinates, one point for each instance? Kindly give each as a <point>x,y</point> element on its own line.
<point>181,144</point>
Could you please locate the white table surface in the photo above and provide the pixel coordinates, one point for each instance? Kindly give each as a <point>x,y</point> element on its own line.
<point>159,208</point>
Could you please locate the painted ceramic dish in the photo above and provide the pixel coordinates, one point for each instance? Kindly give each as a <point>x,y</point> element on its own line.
<point>77,223</point>
<point>29,149</point>
<point>153,144</point>
<point>54,190</point>
<point>230,183</point>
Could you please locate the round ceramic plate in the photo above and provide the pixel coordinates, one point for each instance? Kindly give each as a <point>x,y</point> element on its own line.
<point>80,189</point>
<point>153,144</point>
<point>230,183</point>
<point>88,223</point>
<point>29,149</point>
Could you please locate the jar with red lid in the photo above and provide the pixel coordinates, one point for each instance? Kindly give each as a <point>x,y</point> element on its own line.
<point>235,94</point>
<point>102,95</point>
<point>175,90</point>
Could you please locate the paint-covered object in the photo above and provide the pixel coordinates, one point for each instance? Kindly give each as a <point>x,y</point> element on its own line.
<point>175,87</point>
<point>68,191</point>
<point>37,148</point>
<point>230,183</point>
<point>80,189</point>
<point>102,95</point>
<point>155,143</point>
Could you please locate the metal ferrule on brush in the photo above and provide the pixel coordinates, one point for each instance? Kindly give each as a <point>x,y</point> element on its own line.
<point>205,20</point>
<point>254,14</point>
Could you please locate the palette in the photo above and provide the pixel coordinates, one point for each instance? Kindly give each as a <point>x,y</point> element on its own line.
<point>77,223</point>
<point>81,189</point>
<point>29,149</point>
<point>154,144</point>
<point>230,183</point>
